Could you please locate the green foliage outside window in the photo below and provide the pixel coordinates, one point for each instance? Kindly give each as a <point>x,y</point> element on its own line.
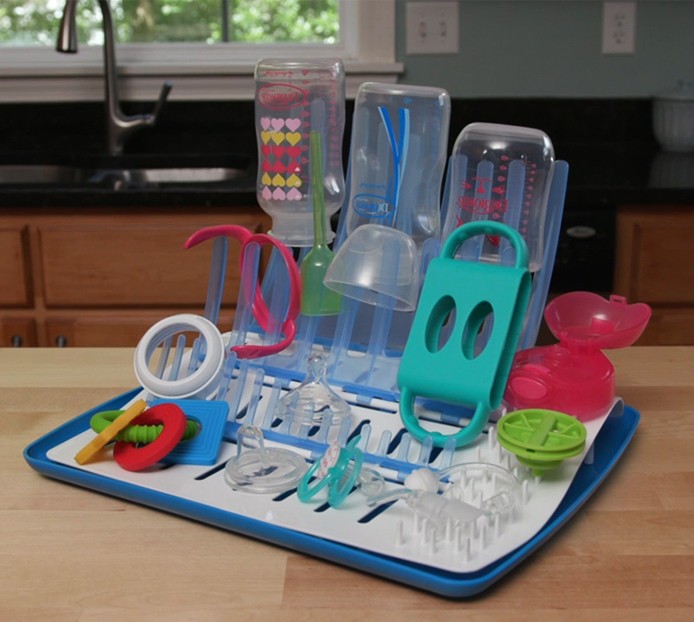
<point>35,22</point>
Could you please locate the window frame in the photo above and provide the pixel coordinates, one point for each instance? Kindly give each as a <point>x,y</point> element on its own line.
<point>198,71</point>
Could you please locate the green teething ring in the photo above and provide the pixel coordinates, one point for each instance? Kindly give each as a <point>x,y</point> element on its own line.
<point>136,433</point>
<point>541,439</point>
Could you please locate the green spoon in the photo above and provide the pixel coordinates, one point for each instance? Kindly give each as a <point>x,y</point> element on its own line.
<point>316,298</point>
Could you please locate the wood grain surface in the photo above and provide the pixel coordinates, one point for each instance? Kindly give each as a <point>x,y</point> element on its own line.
<point>68,554</point>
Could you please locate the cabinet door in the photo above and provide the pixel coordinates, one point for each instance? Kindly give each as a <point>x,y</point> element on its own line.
<point>99,331</point>
<point>128,266</point>
<point>14,283</point>
<point>669,326</point>
<point>655,256</point>
<point>17,332</point>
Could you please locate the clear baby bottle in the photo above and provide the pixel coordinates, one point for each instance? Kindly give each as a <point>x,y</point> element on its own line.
<point>293,98</point>
<point>397,158</point>
<point>501,173</point>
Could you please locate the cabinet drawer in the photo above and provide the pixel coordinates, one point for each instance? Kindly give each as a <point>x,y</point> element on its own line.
<point>669,327</point>
<point>14,271</point>
<point>108,330</point>
<point>17,332</point>
<point>655,263</point>
<point>94,266</point>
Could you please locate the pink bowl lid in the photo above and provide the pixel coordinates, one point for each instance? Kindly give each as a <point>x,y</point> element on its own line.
<point>586,319</point>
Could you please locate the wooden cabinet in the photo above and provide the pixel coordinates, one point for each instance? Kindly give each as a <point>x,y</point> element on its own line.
<point>101,277</point>
<point>655,264</point>
<point>17,332</point>
<point>15,289</point>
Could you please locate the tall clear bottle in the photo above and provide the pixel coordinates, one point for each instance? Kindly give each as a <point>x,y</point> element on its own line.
<point>397,158</point>
<point>501,173</point>
<point>293,98</point>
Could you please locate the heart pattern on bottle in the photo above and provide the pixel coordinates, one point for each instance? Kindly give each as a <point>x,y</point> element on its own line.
<point>283,158</point>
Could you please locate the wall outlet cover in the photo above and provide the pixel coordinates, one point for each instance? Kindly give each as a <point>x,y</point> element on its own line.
<point>431,28</point>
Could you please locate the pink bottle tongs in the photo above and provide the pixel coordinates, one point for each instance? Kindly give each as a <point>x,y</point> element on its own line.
<point>260,310</point>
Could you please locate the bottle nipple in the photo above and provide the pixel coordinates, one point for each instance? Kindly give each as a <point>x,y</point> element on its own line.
<point>313,402</point>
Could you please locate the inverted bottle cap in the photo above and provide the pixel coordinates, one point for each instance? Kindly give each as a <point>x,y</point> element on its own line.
<point>262,470</point>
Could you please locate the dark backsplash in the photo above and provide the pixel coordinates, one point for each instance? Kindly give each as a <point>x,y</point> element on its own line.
<point>216,129</point>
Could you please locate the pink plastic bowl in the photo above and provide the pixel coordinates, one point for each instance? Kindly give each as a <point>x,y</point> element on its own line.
<point>587,319</point>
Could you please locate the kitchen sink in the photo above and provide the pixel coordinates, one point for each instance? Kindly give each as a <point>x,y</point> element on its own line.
<point>182,175</point>
<point>118,178</point>
<point>40,174</point>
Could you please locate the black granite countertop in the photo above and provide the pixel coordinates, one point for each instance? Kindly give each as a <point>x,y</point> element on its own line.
<point>609,145</point>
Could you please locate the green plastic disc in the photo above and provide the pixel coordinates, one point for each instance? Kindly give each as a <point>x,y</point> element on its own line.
<point>541,439</point>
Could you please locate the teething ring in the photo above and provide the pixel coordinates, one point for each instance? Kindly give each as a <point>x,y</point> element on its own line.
<point>136,433</point>
<point>109,433</point>
<point>133,458</point>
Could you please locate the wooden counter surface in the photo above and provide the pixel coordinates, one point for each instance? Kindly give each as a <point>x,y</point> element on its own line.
<point>71,554</point>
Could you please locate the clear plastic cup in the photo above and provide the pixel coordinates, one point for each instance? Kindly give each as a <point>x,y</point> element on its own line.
<point>501,173</point>
<point>293,98</point>
<point>397,158</point>
<point>377,265</point>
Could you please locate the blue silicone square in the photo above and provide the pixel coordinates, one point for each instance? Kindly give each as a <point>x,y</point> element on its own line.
<point>203,448</point>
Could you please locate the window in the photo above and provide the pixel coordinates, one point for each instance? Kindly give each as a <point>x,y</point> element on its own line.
<point>33,22</point>
<point>207,48</point>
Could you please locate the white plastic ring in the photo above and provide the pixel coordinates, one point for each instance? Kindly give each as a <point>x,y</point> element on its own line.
<point>203,380</point>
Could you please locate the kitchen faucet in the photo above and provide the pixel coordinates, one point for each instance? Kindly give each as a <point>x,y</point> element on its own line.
<point>119,125</point>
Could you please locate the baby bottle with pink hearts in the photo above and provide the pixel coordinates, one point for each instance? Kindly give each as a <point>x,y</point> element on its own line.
<point>293,98</point>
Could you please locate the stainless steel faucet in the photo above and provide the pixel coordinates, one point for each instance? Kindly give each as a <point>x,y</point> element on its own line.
<point>119,125</point>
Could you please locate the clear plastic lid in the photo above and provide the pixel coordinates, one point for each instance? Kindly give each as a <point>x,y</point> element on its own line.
<point>397,158</point>
<point>501,173</point>
<point>293,98</point>
<point>260,469</point>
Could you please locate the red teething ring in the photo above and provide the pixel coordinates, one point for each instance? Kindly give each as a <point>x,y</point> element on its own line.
<point>133,458</point>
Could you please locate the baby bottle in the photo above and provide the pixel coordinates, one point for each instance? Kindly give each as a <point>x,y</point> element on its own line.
<point>397,158</point>
<point>501,173</point>
<point>293,98</point>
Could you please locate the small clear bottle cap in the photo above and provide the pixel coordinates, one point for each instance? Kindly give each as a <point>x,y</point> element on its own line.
<point>293,98</point>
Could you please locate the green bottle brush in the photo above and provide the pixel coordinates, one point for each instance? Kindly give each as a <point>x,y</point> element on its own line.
<point>316,298</point>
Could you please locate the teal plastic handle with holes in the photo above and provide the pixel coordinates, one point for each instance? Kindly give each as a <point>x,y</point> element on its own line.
<point>465,332</point>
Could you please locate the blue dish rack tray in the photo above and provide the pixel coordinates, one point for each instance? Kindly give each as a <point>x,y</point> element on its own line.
<point>52,454</point>
<point>362,348</point>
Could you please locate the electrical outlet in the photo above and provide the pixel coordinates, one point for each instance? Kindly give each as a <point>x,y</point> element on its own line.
<point>618,27</point>
<point>432,27</point>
